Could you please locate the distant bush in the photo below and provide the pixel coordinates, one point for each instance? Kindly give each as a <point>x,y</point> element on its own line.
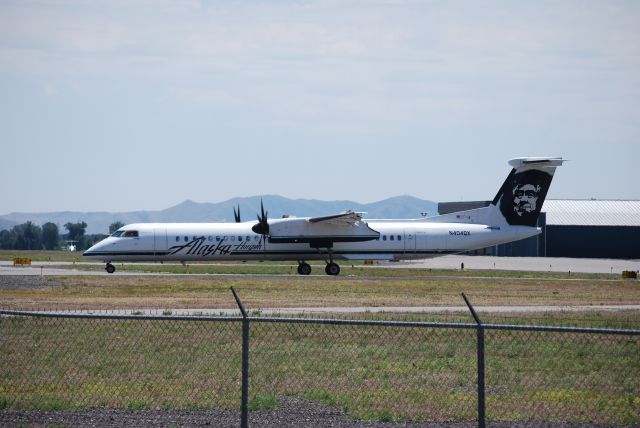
<point>29,236</point>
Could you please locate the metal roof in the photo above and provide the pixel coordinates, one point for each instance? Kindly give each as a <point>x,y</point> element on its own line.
<point>569,212</point>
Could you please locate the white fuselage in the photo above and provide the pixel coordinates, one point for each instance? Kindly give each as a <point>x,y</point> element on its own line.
<point>511,216</point>
<point>411,239</point>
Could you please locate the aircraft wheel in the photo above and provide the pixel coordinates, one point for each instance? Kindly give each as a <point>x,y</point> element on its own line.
<point>304,269</point>
<point>110,268</point>
<point>332,269</point>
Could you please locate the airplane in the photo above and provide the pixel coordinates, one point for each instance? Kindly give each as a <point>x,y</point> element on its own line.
<point>511,216</point>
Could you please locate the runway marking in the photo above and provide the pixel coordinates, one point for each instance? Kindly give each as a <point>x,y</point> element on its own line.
<point>37,271</point>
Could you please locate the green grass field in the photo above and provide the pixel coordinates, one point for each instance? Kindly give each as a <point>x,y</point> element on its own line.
<point>378,373</point>
<point>43,256</point>
<point>392,373</point>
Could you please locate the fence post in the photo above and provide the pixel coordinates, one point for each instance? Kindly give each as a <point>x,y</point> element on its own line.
<point>480,353</point>
<point>244,407</point>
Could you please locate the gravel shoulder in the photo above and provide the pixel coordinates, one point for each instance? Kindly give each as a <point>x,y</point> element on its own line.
<point>8,282</point>
<point>291,412</point>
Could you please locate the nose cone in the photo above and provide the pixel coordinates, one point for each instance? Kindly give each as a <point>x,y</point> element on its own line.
<point>96,249</point>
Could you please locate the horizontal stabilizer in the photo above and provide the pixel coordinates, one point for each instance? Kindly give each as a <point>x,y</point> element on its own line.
<point>534,163</point>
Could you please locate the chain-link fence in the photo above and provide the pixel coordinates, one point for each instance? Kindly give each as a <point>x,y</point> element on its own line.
<point>64,361</point>
<point>381,370</point>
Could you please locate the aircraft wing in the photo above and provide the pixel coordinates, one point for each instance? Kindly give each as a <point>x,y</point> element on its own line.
<point>345,227</point>
<point>348,217</point>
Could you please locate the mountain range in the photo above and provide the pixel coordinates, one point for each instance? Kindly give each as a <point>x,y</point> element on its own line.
<point>189,211</point>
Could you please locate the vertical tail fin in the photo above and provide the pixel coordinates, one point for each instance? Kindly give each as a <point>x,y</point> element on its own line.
<point>522,194</point>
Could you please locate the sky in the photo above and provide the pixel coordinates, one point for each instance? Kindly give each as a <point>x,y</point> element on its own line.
<point>140,104</point>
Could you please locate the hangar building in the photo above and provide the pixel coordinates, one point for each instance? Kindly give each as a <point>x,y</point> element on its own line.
<point>573,228</point>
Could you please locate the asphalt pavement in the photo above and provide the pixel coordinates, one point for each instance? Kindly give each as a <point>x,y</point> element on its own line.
<point>527,264</point>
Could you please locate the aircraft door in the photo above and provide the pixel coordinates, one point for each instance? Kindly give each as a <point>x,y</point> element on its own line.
<point>421,241</point>
<point>431,241</point>
<point>409,241</point>
<point>160,240</point>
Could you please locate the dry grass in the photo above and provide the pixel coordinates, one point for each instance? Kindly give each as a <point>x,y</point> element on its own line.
<point>174,292</point>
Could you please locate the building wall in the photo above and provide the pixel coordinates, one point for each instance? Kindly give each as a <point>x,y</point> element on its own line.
<point>592,241</point>
<point>613,242</point>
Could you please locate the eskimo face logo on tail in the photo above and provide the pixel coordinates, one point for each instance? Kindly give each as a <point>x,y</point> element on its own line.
<point>523,197</point>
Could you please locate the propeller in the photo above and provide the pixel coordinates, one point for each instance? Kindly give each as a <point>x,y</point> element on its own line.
<point>236,214</point>
<point>262,227</point>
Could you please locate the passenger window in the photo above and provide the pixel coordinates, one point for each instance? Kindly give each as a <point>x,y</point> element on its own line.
<point>399,238</point>
<point>186,239</point>
<point>240,238</point>
<point>384,237</point>
<point>131,234</point>
<point>217,239</point>
<point>210,238</point>
<point>177,239</point>
<point>233,238</point>
<point>391,237</point>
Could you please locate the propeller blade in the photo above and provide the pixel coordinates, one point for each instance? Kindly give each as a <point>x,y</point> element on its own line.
<point>236,214</point>
<point>265,227</point>
<point>262,227</point>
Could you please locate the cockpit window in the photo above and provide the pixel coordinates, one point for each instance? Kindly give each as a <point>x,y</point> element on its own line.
<point>117,233</point>
<point>131,234</point>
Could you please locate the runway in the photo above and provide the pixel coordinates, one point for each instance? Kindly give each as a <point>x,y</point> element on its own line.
<point>526,264</point>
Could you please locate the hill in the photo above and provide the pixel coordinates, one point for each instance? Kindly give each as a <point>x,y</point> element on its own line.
<point>190,211</point>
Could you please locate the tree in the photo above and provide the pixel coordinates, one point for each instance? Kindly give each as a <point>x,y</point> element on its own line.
<point>50,236</point>
<point>115,226</point>
<point>76,230</point>
<point>8,239</point>
<point>29,236</point>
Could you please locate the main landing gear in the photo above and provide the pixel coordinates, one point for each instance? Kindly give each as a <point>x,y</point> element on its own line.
<point>303,268</point>
<point>332,268</point>
<point>110,268</point>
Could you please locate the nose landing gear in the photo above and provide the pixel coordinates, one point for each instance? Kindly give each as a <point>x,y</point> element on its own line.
<point>110,268</point>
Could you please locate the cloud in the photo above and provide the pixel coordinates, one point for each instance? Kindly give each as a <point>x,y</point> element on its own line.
<point>309,61</point>
<point>176,40</point>
<point>428,76</point>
